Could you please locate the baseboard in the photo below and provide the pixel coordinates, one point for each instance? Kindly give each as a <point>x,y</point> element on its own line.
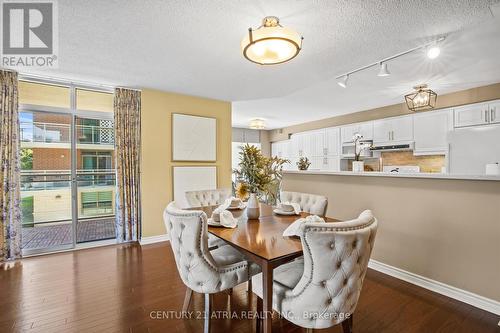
<point>438,287</point>
<point>153,239</point>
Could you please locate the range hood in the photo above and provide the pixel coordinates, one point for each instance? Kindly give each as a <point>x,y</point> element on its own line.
<point>394,147</point>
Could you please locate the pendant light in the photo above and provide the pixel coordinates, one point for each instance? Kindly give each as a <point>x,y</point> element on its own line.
<point>383,70</point>
<point>421,99</point>
<point>343,81</point>
<point>271,43</point>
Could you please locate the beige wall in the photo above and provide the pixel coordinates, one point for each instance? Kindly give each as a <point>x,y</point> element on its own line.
<point>157,109</point>
<point>446,230</point>
<point>265,144</point>
<point>474,95</point>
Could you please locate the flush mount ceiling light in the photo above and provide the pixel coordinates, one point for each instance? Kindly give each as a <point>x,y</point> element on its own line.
<point>271,43</point>
<point>383,70</point>
<point>421,99</point>
<point>257,123</point>
<point>343,81</point>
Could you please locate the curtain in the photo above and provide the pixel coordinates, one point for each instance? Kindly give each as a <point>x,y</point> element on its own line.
<point>10,209</point>
<point>127,110</point>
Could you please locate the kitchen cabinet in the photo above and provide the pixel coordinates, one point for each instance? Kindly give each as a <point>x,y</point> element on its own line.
<point>365,129</point>
<point>393,130</point>
<point>331,163</point>
<point>308,144</point>
<point>332,141</point>
<point>281,149</point>
<point>471,115</point>
<point>494,112</point>
<point>430,130</point>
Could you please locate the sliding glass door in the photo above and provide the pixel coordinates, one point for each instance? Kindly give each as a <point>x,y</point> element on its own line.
<point>67,171</point>
<point>96,183</point>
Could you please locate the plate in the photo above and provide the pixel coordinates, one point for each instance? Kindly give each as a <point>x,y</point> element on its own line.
<point>242,206</point>
<point>280,212</point>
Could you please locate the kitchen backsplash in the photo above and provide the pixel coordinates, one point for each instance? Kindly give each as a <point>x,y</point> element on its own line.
<point>427,163</point>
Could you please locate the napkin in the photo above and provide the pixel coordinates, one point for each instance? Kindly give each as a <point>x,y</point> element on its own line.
<point>225,205</point>
<point>296,206</point>
<point>227,219</point>
<point>294,228</point>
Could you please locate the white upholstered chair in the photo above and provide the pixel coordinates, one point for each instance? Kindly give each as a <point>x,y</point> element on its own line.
<point>201,270</point>
<point>209,198</point>
<point>309,203</point>
<point>322,288</point>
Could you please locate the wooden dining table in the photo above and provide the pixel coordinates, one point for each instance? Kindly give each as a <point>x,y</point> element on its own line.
<point>262,241</point>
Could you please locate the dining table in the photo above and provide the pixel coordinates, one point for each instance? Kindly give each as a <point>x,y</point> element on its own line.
<point>262,242</point>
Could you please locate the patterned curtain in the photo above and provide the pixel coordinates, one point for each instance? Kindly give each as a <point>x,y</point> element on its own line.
<point>10,210</point>
<point>127,109</point>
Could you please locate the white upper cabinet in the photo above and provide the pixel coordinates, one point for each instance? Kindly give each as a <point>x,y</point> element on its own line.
<point>494,112</point>
<point>332,141</point>
<point>430,131</point>
<point>470,115</point>
<point>365,129</point>
<point>308,144</point>
<point>393,130</point>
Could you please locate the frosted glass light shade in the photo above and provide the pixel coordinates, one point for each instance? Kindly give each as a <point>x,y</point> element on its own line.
<point>271,43</point>
<point>257,123</point>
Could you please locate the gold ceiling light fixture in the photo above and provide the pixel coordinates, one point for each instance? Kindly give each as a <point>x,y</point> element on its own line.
<point>421,99</point>
<point>257,123</point>
<point>271,43</point>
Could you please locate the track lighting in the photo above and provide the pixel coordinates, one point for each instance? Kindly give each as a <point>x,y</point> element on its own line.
<point>383,70</point>
<point>433,52</point>
<point>343,81</point>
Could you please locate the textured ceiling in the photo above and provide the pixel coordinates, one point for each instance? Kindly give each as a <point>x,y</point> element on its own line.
<point>192,47</point>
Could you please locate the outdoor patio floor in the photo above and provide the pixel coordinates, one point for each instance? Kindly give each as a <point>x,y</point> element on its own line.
<point>47,236</point>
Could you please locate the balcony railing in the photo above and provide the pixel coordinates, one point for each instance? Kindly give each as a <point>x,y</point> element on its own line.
<point>40,180</point>
<point>60,133</point>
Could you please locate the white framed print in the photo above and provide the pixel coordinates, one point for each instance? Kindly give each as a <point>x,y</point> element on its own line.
<point>194,138</point>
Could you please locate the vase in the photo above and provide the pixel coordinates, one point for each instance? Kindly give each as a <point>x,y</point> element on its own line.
<point>253,209</point>
<point>358,166</point>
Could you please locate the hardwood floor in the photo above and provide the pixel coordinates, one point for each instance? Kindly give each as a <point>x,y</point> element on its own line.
<point>120,288</point>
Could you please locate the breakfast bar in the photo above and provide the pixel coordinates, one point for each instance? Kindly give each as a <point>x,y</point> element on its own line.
<point>449,224</point>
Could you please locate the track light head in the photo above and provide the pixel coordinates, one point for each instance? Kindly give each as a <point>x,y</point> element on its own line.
<point>383,70</point>
<point>343,81</point>
<point>433,52</point>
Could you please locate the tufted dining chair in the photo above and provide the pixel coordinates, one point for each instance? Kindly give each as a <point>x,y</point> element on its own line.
<point>322,289</point>
<point>309,203</point>
<point>209,198</point>
<point>201,270</point>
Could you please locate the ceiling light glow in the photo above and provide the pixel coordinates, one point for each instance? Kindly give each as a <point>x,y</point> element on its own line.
<point>433,52</point>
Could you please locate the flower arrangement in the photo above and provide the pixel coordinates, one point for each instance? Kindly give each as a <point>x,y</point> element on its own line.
<point>303,163</point>
<point>359,146</point>
<point>259,174</point>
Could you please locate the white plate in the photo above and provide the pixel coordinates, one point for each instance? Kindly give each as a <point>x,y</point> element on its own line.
<point>242,206</point>
<point>280,212</point>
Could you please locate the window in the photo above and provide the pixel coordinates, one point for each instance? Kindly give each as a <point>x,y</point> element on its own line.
<point>97,203</point>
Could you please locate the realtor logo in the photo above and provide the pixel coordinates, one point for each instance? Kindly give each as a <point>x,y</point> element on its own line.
<point>29,33</point>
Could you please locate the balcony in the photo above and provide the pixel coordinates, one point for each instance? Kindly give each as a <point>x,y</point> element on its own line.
<point>36,133</point>
<point>47,207</point>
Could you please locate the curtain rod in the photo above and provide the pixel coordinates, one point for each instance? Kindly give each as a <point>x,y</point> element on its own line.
<point>53,79</point>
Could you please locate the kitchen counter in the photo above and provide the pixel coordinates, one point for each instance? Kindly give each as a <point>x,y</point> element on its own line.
<point>395,175</point>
